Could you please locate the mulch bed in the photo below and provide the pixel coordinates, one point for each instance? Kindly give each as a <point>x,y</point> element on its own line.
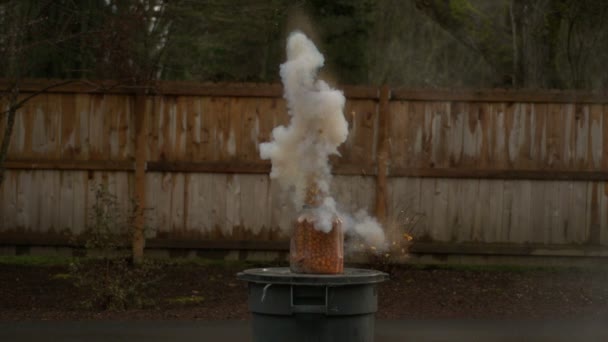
<point>44,293</point>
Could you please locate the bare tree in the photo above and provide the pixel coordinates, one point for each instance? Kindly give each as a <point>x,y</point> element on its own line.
<point>525,47</point>
<point>128,40</point>
<point>25,29</point>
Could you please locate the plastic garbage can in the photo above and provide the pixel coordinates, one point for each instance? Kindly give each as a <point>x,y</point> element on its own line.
<point>293,307</point>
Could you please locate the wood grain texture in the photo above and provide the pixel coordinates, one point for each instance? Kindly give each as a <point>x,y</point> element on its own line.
<point>275,91</point>
<point>483,167</point>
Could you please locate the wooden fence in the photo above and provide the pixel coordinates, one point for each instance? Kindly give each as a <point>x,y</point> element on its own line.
<point>486,168</point>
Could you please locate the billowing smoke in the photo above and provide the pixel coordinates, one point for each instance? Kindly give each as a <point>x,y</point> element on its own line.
<point>366,228</point>
<point>300,152</point>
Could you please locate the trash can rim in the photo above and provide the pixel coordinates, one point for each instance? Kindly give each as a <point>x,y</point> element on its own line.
<point>283,275</point>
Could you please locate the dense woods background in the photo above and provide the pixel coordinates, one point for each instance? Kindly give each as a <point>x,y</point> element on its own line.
<point>429,43</point>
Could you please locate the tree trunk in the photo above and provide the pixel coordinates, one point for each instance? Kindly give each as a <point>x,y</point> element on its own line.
<point>523,55</point>
<point>536,27</point>
<point>475,30</point>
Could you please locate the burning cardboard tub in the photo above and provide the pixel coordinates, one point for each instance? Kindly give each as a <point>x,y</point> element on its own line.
<point>288,306</point>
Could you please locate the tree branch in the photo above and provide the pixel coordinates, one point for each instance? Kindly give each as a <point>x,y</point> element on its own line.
<point>474,29</point>
<point>11,112</point>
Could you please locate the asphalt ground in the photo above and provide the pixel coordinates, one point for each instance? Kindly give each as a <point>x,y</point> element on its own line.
<point>225,331</point>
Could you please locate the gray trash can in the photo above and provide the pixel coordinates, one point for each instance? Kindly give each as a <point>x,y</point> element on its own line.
<point>294,307</point>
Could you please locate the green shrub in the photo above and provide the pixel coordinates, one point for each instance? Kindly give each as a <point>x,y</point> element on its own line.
<point>107,274</point>
<point>114,283</point>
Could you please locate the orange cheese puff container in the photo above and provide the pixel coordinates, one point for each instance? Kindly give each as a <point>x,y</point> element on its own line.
<point>314,251</point>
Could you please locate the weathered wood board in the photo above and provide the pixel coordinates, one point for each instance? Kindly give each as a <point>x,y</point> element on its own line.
<point>427,135</point>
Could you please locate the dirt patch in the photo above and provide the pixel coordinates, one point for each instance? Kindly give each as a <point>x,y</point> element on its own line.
<point>202,292</point>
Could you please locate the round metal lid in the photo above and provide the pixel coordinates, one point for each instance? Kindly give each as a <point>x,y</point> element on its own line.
<point>283,275</point>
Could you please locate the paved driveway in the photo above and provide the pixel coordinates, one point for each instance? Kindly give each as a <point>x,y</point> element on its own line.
<point>227,331</point>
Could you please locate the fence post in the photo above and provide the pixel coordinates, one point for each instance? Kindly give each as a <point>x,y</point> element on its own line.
<point>382,153</point>
<point>141,135</point>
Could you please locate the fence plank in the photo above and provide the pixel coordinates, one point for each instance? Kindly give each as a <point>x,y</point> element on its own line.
<point>109,130</point>
<point>180,127</point>
<point>486,118</point>
<point>500,150</point>
<point>232,222</point>
<point>468,196</point>
<point>578,231</point>
<point>49,201</point>
<point>27,199</point>
<point>365,194</point>
<point>416,130</point>
<point>52,124</point>
<point>83,116</point>
<point>478,208</point>
<point>218,188</point>
<point>439,134</point>
<point>248,139</point>
<point>66,201</point>
<point>344,193</point>
<point>471,136</point>
<point>437,222</point>
<point>226,127</point>
<point>581,133</point>
<point>521,225</point>
<point>560,231</point>
<point>538,202</point>
<point>154,123</point>
<point>603,204</point>
<point>125,123</point>
<point>80,208</point>
<point>163,203</point>
<point>488,170</point>
<point>152,207</point>
<point>96,124</point>
<point>14,214</point>
<point>370,124</point>
<point>490,199</point>
<point>282,210</point>
<point>568,154</point>
<point>17,146</point>
<point>176,213</point>
<point>166,126</point>
<point>595,137</point>
<point>507,211</point>
<point>255,216</point>
<point>538,146</point>
<point>426,206</point>
<point>193,128</point>
<point>455,140</point>
<point>193,223</point>
<point>412,205</point>
<point>399,143</point>
<point>553,212</point>
<point>67,136</point>
<point>555,120</point>
<point>528,129</point>
<point>594,201</point>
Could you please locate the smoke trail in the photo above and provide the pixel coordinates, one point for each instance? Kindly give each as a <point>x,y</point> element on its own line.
<point>299,152</point>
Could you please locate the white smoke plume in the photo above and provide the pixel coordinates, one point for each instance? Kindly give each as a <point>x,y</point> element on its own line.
<point>299,152</point>
<point>367,228</point>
